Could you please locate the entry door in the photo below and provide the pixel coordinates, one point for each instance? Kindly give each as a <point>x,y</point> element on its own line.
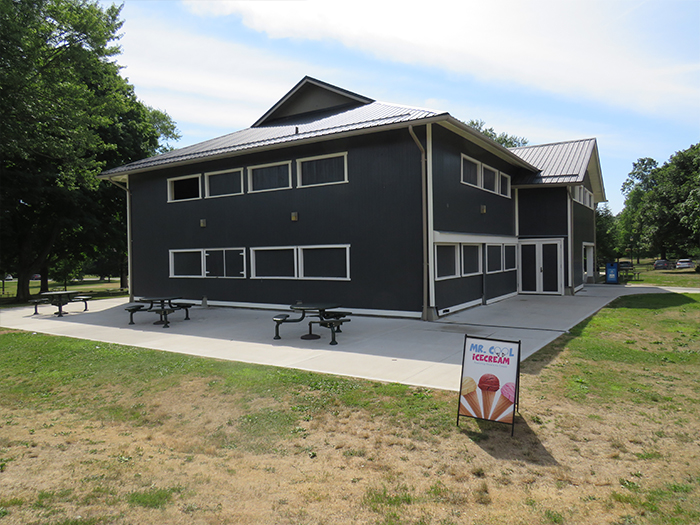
<point>542,267</point>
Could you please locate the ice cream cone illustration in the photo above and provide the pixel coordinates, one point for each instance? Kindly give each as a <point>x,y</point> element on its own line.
<point>505,401</point>
<point>470,396</point>
<point>508,418</point>
<point>489,385</point>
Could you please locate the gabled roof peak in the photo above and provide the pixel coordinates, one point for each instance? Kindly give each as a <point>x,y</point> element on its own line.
<point>311,96</point>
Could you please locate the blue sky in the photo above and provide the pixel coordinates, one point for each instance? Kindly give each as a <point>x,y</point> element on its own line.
<point>624,71</point>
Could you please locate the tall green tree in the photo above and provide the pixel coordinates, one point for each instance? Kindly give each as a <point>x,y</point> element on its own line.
<point>661,205</point>
<point>65,115</point>
<point>606,234</point>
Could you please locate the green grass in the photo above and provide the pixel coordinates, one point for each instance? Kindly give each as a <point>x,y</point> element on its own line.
<point>94,287</point>
<point>153,498</point>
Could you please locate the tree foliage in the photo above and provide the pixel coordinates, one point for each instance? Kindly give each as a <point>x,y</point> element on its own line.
<point>509,141</point>
<point>65,115</point>
<point>606,234</point>
<point>662,205</point>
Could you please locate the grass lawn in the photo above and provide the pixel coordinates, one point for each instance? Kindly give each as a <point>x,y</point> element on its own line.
<point>608,433</point>
<point>96,287</point>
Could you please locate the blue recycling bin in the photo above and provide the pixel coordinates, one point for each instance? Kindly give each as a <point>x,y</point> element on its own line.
<point>611,273</point>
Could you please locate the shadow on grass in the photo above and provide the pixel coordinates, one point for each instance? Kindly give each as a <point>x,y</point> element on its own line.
<point>495,439</point>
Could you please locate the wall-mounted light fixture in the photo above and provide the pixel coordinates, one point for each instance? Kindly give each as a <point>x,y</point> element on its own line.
<point>295,216</point>
<point>202,223</point>
<point>483,209</point>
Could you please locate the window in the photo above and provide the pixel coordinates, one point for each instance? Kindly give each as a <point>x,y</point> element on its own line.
<point>471,259</point>
<point>504,186</point>
<point>470,171</point>
<point>583,195</point>
<point>184,188</point>
<point>510,257</point>
<point>326,169</point>
<point>219,262</point>
<point>474,173</point>
<point>274,263</point>
<point>225,262</point>
<point>223,183</point>
<point>447,262</point>
<point>270,177</point>
<point>494,258</point>
<point>323,262</point>
<point>490,179</point>
<point>186,263</point>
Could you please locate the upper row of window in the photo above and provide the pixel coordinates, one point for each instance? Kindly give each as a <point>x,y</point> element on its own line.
<point>311,171</point>
<point>584,196</point>
<point>475,173</point>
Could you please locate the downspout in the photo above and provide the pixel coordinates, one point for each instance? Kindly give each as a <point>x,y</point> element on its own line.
<point>426,314</point>
<point>128,235</point>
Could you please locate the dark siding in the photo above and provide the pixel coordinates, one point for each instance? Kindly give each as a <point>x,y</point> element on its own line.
<point>452,292</point>
<point>500,284</point>
<point>377,213</point>
<point>542,212</point>
<point>457,206</point>
<point>584,231</point>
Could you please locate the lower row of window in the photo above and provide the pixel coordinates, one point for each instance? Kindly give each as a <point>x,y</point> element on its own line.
<point>464,260</point>
<point>321,262</point>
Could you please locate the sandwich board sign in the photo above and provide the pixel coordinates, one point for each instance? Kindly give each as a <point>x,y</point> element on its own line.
<point>490,383</point>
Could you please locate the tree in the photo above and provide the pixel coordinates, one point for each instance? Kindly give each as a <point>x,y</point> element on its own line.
<point>661,205</point>
<point>65,114</point>
<point>509,141</point>
<point>606,234</point>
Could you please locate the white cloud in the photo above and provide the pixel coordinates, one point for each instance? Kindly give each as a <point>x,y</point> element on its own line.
<point>202,79</point>
<point>589,50</point>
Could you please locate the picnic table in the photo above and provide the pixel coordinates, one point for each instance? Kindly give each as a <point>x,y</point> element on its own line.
<point>161,305</point>
<point>326,313</point>
<point>59,298</point>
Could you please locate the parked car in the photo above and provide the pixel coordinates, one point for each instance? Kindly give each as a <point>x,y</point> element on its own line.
<point>684,263</point>
<point>661,264</point>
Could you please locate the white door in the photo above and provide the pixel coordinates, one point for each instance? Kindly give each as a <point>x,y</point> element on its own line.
<point>542,266</point>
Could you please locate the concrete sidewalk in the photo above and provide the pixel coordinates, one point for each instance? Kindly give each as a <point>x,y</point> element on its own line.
<point>395,350</point>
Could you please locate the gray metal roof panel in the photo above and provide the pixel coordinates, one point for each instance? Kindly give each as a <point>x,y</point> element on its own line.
<point>371,115</point>
<point>559,162</point>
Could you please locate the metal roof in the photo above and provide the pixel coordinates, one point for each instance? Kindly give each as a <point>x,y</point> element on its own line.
<point>564,163</point>
<point>296,129</point>
<point>560,163</point>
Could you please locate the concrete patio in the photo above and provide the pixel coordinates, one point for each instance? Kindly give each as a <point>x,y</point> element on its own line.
<point>427,354</point>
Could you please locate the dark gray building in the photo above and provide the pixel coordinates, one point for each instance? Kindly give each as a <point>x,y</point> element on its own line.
<point>387,209</point>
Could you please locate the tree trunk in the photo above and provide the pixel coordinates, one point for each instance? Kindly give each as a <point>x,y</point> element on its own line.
<point>23,278</point>
<point>124,274</point>
<point>44,278</point>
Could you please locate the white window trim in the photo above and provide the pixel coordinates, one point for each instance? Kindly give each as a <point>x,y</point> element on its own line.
<point>253,269</point>
<point>300,251</point>
<point>480,177</point>
<point>504,257</point>
<point>458,266</point>
<point>203,254</point>
<point>503,253</point>
<point>496,176</point>
<point>288,163</point>
<point>506,195</point>
<point>479,180</point>
<point>299,262</point>
<point>321,157</point>
<point>171,257</point>
<point>207,195</point>
<point>461,262</point>
<point>198,176</point>
<point>242,254</point>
